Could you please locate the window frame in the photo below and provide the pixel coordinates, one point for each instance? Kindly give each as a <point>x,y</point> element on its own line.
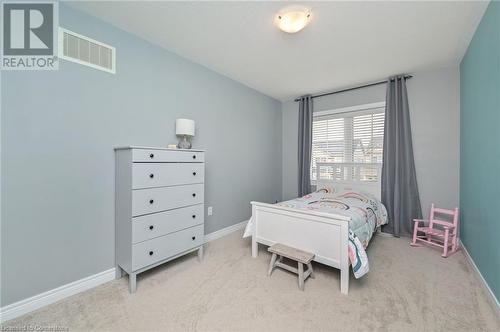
<point>355,110</point>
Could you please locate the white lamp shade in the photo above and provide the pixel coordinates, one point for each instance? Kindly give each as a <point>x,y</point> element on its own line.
<point>184,127</point>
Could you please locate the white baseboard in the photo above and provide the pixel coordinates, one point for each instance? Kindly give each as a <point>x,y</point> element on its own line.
<point>225,231</point>
<point>41,300</point>
<point>485,284</point>
<point>28,305</point>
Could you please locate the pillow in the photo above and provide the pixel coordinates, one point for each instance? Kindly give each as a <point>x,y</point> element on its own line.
<point>333,189</point>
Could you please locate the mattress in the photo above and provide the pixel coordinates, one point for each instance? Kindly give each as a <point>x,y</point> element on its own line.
<point>366,212</point>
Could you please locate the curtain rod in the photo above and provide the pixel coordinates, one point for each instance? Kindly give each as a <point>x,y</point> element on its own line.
<point>352,88</point>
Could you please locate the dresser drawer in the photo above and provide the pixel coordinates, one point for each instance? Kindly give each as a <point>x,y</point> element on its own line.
<point>147,175</point>
<point>144,155</point>
<point>162,223</point>
<point>160,248</point>
<point>152,200</point>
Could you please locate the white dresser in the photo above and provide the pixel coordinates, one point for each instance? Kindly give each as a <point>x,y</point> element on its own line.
<point>159,207</point>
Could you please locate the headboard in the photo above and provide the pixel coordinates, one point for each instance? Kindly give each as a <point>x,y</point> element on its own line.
<point>359,176</point>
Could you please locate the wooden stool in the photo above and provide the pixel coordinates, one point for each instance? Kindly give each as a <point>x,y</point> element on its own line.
<point>301,257</point>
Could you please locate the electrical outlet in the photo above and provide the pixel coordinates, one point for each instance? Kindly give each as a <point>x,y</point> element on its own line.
<point>210,211</point>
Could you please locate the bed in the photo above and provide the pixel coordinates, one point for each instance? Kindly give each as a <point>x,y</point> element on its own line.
<point>336,222</point>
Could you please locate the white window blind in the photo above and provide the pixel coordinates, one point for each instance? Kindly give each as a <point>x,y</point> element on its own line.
<point>351,142</point>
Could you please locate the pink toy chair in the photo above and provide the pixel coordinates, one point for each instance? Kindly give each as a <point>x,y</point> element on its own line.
<point>437,232</point>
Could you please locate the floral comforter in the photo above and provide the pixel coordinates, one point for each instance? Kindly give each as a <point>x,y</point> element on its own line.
<point>366,212</point>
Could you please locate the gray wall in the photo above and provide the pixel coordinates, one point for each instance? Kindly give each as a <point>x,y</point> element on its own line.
<point>434,98</point>
<point>58,133</point>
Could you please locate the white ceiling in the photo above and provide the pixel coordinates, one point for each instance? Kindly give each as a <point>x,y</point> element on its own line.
<point>346,43</point>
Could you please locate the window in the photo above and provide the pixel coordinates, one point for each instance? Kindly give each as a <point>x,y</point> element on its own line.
<point>347,144</point>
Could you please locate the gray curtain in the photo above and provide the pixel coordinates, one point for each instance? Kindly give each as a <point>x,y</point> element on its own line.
<point>399,180</point>
<point>305,144</point>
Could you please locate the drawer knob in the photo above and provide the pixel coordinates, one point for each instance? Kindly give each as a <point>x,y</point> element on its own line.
<point>194,173</point>
<point>194,195</point>
<point>194,238</point>
<point>151,175</point>
<point>151,156</point>
<point>194,216</point>
<point>151,201</point>
<point>194,156</point>
<point>151,227</point>
<point>150,253</point>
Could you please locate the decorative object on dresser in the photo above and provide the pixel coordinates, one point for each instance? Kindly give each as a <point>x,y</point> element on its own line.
<point>184,128</point>
<point>159,207</point>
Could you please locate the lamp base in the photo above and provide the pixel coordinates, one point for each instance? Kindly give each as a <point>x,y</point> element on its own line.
<point>184,143</point>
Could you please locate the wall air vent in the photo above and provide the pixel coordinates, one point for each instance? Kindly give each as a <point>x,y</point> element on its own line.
<point>86,51</point>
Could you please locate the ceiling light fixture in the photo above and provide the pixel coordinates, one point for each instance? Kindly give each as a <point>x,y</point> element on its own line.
<point>293,20</point>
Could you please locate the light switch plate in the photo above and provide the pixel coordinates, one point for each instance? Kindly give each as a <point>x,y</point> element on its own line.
<point>209,210</point>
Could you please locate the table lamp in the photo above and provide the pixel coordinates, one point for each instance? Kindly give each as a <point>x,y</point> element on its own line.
<point>185,129</point>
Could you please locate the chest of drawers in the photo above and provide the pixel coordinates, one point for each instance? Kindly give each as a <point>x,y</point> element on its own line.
<point>159,207</point>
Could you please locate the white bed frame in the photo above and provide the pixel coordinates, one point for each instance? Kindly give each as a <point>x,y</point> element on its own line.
<point>324,234</point>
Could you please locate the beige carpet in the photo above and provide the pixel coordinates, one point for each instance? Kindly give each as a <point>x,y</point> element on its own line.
<point>407,289</point>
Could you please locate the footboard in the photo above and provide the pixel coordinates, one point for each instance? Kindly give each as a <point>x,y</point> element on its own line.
<point>326,235</point>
